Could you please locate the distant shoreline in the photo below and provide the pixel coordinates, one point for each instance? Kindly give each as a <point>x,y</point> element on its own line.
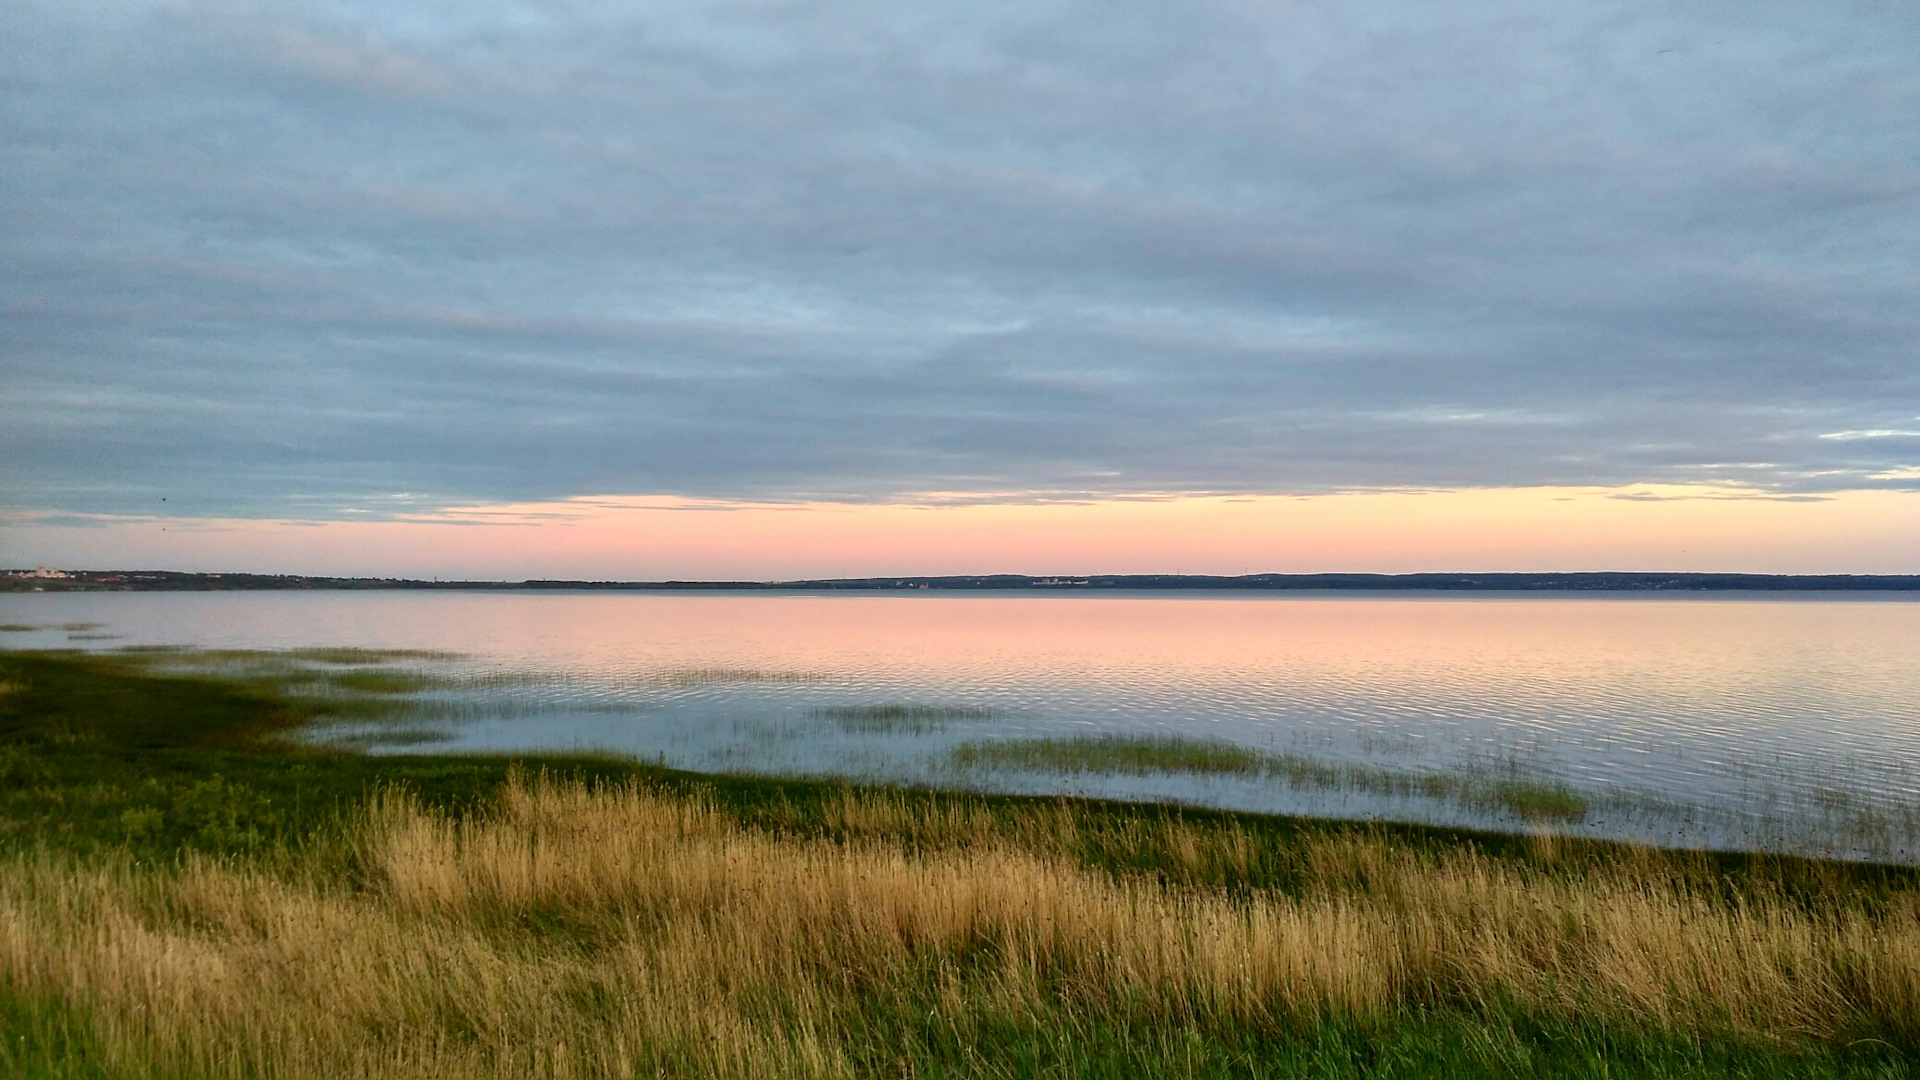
<point>25,581</point>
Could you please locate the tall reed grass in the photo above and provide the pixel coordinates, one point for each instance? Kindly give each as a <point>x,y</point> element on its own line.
<point>576,930</point>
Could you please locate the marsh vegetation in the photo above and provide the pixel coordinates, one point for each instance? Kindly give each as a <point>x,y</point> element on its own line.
<point>184,891</point>
<point>1530,798</point>
<point>912,717</point>
<point>621,928</point>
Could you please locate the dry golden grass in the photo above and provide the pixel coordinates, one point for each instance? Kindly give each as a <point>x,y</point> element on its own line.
<point>578,931</point>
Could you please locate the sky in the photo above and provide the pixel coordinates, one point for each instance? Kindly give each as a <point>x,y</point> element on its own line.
<point>778,289</point>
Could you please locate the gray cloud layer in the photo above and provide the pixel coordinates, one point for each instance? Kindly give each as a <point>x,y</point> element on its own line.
<point>285,260</point>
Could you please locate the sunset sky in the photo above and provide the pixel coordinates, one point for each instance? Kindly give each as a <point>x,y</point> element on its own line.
<point>774,289</point>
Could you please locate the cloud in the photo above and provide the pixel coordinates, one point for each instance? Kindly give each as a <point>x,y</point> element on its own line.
<point>351,58</point>
<point>286,260</point>
<point>1879,433</point>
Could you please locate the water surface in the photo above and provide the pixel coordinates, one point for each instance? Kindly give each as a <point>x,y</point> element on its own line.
<point>1789,723</point>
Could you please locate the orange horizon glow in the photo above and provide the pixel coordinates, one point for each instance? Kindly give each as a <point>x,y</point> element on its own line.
<point>1646,528</point>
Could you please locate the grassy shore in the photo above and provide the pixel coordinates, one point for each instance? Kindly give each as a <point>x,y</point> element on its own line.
<point>185,890</point>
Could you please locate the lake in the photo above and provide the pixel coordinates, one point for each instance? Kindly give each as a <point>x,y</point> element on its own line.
<point>1787,723</point>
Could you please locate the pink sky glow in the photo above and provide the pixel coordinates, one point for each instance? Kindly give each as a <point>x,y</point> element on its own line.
<point>650,538</point>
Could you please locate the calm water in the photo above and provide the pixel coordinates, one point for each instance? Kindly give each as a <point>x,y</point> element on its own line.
<point>1786,723</point>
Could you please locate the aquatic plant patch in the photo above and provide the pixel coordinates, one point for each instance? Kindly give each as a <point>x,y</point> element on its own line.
<point>1526,797</point>
<point>900,716</point>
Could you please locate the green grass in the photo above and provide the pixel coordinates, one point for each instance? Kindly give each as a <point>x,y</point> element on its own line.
<point>46,1037</point>
<point>340,685</point>
<point>721,676</point>
<point>328,655</point>
<point>1433,1046</point>
<point>339,655</point>
<point>899,716</point>
<point>1140,755</point>
<point>103,758</point>
<point>1135,755</point>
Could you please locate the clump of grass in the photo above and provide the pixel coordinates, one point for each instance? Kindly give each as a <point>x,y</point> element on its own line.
<point>349,656</point>
<point>244,661</point>
<point>384,737</point>
<point>1111,754</point>
<point>499,680</point>
<point>16,628</point>
<point>343,698</point>
<point>1532,799</point>
<point>341,656</point>
<point>350,697</point>
<point>384,681</point>
<point>334,683</point>
<point>706,676</point>
<point>897,716</point>
<point>1832,799</point>
<point>1527,798</point>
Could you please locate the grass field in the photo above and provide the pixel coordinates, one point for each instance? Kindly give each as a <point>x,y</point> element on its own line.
<point>186,891</point>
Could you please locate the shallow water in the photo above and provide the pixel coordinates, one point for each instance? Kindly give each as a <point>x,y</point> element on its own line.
<point>1786,723</point>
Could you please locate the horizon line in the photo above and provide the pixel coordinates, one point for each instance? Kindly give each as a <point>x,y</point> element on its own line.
<point>43,579</point>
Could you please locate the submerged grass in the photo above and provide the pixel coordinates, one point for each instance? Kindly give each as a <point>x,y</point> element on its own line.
<point>900,716</point>
<point>329,655</point>
<point>1112,754</point>
<point>366,687</point>
<point>184,892</point>
<point>1143,754</point>
<point>713,676</point>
